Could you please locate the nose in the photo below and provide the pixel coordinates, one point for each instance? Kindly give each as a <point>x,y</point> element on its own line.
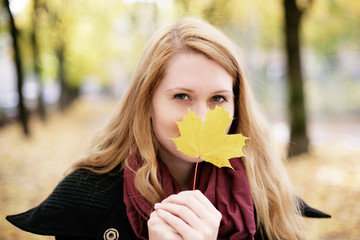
<point>200,110</point>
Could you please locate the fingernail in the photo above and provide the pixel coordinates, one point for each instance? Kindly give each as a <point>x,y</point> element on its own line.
<point>157,206</point>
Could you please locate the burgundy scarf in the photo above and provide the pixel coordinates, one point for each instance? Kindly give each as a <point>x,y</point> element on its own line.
<point>228,190</point>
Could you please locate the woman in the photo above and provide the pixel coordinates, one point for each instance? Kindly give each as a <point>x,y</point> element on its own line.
<point>133,183</point>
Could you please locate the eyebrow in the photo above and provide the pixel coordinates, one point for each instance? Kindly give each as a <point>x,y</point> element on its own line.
<point>190,90</point>
<point>180,88</point>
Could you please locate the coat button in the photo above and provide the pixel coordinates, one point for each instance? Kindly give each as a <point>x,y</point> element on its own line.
<point>111,234</point>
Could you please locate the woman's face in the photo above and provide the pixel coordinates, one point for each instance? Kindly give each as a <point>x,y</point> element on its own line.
<point>190,81</point>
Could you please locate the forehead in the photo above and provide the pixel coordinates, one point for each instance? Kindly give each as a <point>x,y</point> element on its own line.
<point>196,71</point>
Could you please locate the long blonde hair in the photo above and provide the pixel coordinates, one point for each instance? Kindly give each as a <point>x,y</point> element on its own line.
<point>130,130</point>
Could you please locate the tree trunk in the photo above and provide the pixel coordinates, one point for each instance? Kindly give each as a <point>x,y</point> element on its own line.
<point>68,94</point>
<point>22,110</point>
<point>61,76</point>
<point>299,141</point>
<point>37,70</point>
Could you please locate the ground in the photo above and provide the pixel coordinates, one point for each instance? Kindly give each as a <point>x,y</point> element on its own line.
<point>328,178</point>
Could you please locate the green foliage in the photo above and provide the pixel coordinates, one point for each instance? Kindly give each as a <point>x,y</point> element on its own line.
<point>3,19</point>
<point>104,39</point>
<point>95,33</point>
<point>331,25</point>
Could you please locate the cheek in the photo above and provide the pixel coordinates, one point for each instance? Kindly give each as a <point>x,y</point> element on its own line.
<point>230,108</point>
<point>169,129</point>
<point>165,127</point>
<point>164,118</point>
<point>174,129</point>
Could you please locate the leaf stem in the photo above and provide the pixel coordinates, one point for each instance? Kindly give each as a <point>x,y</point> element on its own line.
<point>196,167</point>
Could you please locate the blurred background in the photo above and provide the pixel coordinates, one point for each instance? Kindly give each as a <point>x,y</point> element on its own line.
<point>64,66</point>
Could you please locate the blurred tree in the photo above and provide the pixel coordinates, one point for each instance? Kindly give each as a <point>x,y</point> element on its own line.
<point>217,12</point>
<point>14,34</point>
<point>36,58</point>
<point>332,26</point>
<point>68,92</point>
<point>84,42</point>
<point>299,141</point>
<point>77,42</point>
<point>61,21</point>
<point>183,7</point>
<point>214,11</point>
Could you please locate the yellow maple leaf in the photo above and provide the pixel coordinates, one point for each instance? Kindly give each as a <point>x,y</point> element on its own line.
<point>209,140</point>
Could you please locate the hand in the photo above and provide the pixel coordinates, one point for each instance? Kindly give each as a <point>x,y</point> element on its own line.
<point>160,230</point>
<point>190,214</point>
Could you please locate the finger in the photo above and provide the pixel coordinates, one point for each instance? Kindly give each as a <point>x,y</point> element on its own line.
<point>175,222</point>
<point>196,194</point>
<point>199,196</point>
<point>197,202</point>
<point>205,201</point>
<point>181,211</point>
<point>204,231</point>
<point>160,229</point>
<point>188,200</point>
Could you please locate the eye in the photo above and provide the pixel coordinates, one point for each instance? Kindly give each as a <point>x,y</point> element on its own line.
<point>181,96</point>
<point>218,99</point>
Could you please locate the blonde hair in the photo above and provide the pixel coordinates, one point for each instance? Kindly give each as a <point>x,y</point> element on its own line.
<point>130,130</point>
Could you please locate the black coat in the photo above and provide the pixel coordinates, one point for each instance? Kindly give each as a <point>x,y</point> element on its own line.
<point>88,206</point>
